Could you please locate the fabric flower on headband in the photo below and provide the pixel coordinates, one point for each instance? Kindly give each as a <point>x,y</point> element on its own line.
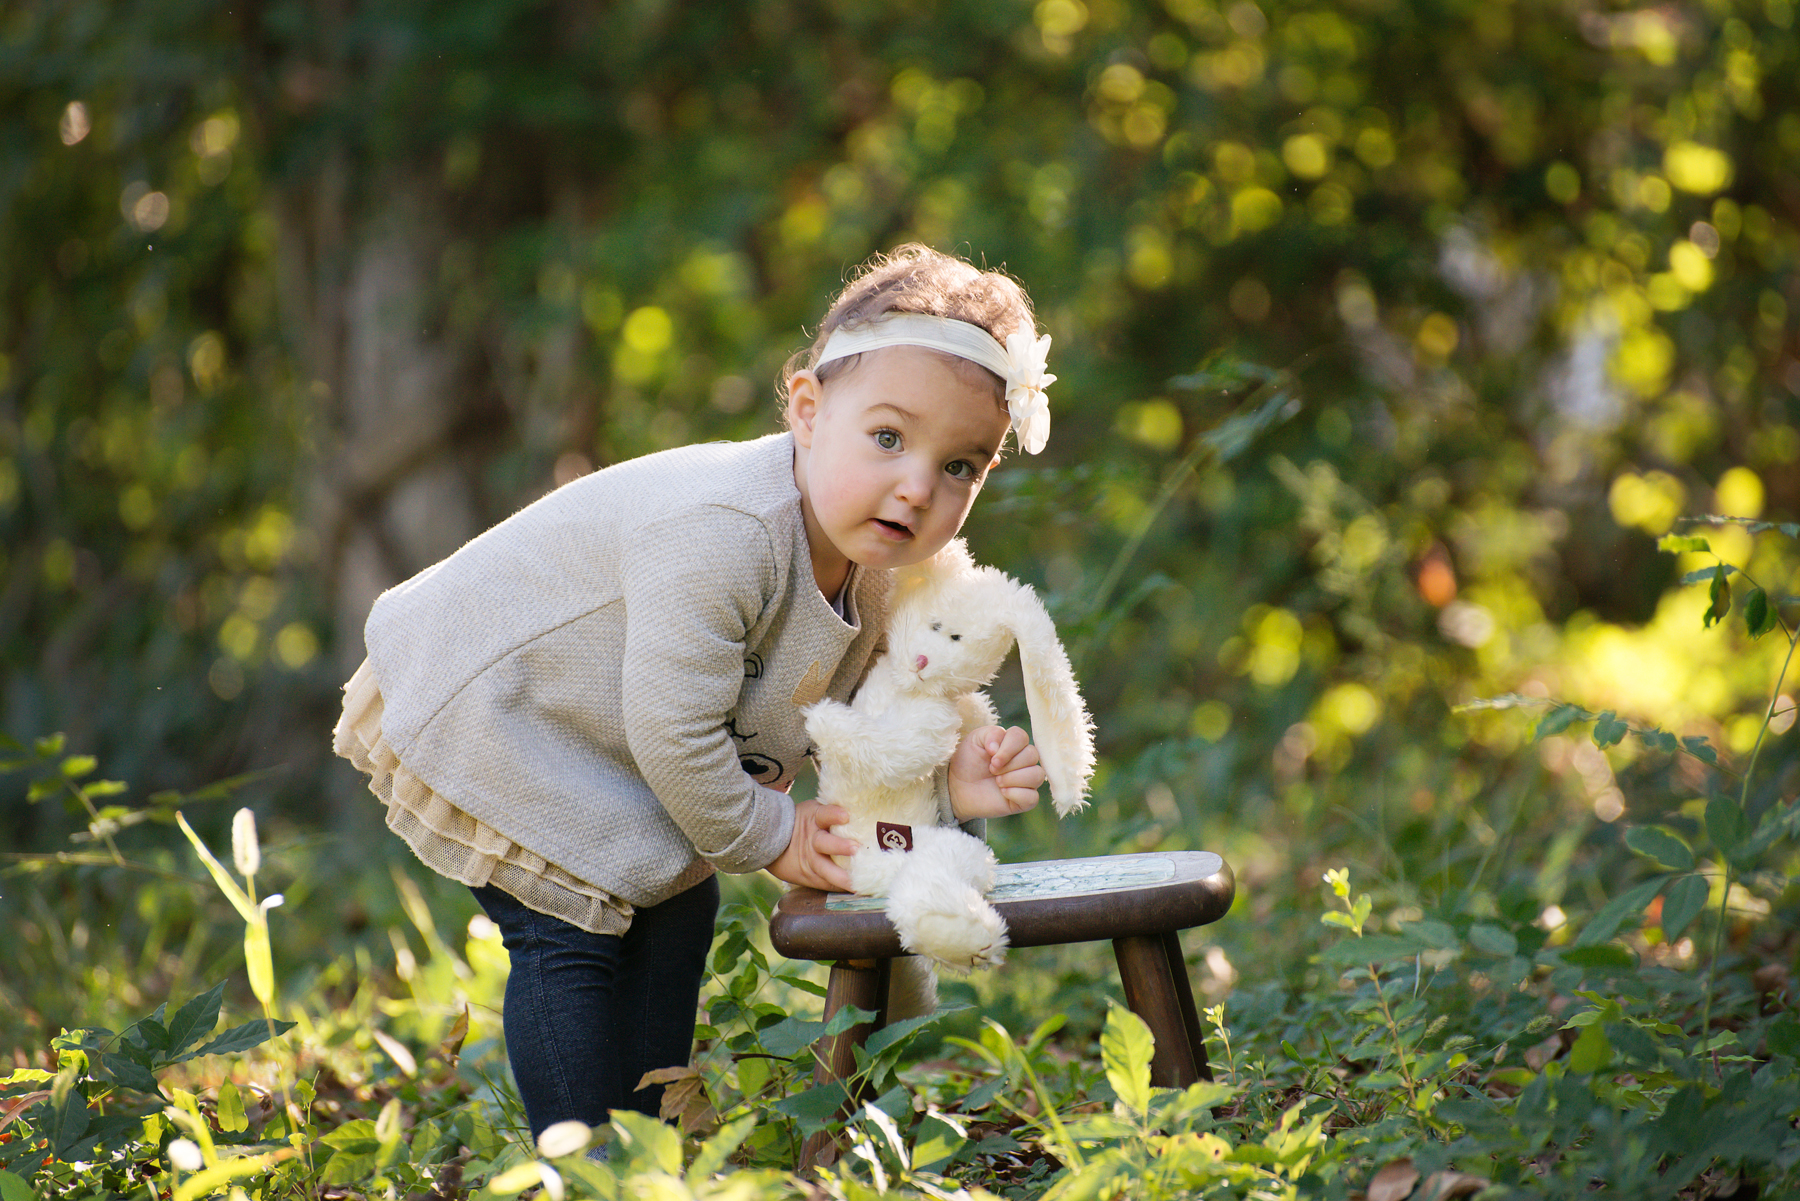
<point>1026,380</point>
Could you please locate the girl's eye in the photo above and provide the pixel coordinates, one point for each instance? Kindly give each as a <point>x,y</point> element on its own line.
<point>887,439</point>
<point>961,469</point>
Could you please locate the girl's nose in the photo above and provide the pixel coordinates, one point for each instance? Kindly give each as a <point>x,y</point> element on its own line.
<point>914,487</point>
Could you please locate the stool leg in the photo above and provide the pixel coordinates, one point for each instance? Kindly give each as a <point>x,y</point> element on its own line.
<point>1152,994</point>
<point>862,983</point>
<point>1184,996</point>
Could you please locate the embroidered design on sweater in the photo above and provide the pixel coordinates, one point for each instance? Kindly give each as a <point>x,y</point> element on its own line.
<point>760,768</point>
<point>811,690</point>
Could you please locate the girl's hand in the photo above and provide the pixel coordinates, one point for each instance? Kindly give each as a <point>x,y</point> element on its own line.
<point>808,858</point>
<point>994,773</point>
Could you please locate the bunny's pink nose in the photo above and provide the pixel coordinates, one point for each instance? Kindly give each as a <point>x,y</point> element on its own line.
<point>919,665</point>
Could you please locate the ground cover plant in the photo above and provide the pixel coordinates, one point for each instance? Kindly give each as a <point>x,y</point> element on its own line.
<point>1440,1035</point>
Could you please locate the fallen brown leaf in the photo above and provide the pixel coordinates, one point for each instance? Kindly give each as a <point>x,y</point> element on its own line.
<point>1394,1182</point>
<point>1440,1186</point>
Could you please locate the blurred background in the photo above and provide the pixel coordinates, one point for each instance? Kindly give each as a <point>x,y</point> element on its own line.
<point>1485,296</point>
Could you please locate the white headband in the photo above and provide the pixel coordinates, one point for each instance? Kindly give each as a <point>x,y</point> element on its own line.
<point>1020,362</point>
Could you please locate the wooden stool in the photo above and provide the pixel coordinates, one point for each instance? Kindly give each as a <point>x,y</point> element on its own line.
<point>1139,902</point>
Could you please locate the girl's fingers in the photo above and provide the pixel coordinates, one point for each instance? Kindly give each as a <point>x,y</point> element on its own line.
<point>1019,799</point>
<point>1013,749</point>
<point>834,844</point>
<point>1023,777</point>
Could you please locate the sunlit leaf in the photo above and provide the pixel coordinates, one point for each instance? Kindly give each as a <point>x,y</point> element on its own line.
<point>1720,595</point>
<point>1592,1051</point>
<point>231,1109</point>
<point>1125,1048</point>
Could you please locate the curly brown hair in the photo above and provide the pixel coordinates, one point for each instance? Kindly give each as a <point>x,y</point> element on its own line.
<point>914,278</point>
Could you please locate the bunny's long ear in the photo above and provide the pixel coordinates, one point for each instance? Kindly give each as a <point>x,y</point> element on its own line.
<point>1060,725</point>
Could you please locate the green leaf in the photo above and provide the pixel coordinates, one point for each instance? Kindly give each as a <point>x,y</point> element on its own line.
<point>195,1020</point>
<point>356,1136</point>
<point>1697,746</point>
<point>231,1109</point>
<point>1720,592</point>
<point>1682,904</point>
<point>68,1113</point>
<point>1784,1036</point>
<point>49,746</point>
<point>1681,544</point>
<point>240,1038</point>
<point>1371,948</point>
<point>815,1106</point>
<point>1659,740</point>
<point>1125,1049</point>
<point>1725,824</point>
<point>1560,718</point>
<point>1493,940</point>
<point>937,1142</point>
<point>1654,842</point>
<point>77,766</point>
<point>1616,912</point>
<point>1759,614</point>
<point>14,1188</point>
<point>1608,729</point>
<point>125,1069</point>
<point>1601,955</point>
<point>897,1032</point>
<point>716,1151</point>
<point>150,1033</point>
<point>240,900</point>
<point>1706,573</point>
<point>1592,1051</point>
<point>1432,933</point>
<point>788,1037</point>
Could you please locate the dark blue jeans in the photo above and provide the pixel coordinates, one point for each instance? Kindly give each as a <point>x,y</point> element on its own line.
<point>588,1014</point>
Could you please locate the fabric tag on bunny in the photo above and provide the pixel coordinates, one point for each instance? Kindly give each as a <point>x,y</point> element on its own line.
<point>894,837</point>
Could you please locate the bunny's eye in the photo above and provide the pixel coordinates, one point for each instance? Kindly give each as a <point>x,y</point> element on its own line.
<point>956,637</point>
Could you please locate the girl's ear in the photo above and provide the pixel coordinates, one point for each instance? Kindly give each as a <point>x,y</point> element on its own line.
<point>805,396</point>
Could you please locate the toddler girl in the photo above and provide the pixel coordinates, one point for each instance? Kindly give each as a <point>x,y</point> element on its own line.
<point>588,710</point>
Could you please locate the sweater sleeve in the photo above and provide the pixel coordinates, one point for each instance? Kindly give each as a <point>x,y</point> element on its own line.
<point>695,583</point>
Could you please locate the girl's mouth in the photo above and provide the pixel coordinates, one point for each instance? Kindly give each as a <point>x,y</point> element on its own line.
<point>894,528</point>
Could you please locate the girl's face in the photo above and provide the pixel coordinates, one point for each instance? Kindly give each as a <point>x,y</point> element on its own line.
<point>890,460</point>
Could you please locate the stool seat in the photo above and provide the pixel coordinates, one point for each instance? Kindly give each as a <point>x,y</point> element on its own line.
<point>1140,902</point>
<point>1045,903</point>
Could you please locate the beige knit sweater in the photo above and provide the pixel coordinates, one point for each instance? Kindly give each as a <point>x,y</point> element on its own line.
<point>613,677</point>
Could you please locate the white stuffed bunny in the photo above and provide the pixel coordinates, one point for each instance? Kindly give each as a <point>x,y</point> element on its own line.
<point>950,627</point>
